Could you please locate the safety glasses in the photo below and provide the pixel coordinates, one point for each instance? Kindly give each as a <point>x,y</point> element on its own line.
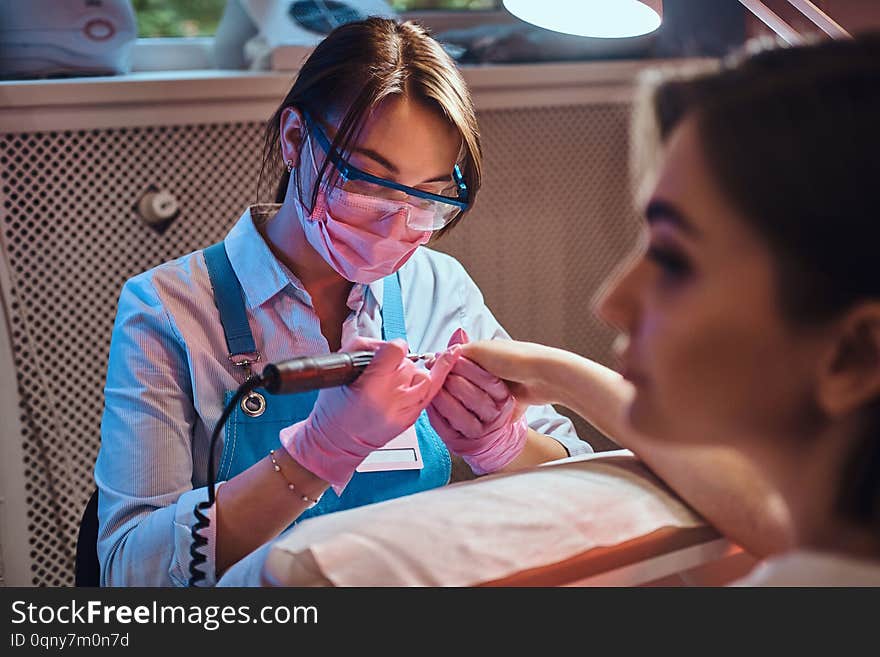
<point>433,210</point>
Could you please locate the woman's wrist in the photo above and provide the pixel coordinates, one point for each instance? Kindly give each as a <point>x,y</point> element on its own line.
<point>302,483</point>
<point>550,370</point>
<point>293,469</point>
<point>307,450</point>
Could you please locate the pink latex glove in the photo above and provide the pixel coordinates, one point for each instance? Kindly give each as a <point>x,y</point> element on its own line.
<point>349,422</point>
<point>476,416</point>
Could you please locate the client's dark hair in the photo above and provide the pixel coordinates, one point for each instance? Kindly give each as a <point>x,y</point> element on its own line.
<point>792,136</point>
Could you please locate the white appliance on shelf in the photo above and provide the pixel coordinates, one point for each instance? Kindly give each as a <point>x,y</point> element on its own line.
<point>51,38</point>
<point>278,34</point>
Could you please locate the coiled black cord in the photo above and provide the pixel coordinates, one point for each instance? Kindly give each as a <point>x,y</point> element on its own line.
<point>296,375</point>
<point>201,510</point>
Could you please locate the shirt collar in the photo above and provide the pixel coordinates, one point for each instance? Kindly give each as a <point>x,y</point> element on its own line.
<point>260,274</point>
<point>377,288</point>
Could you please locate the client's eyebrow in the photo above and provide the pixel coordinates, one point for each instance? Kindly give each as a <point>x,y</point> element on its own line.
<point>385,162</point>
<point>660,210</point>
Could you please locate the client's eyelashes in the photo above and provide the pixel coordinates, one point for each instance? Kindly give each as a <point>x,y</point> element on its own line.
<point>671,262</point>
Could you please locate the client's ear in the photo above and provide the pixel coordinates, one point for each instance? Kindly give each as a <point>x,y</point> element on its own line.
<point>850,376</point>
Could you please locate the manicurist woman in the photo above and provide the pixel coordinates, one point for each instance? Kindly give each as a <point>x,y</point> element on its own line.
<point>375,151</point>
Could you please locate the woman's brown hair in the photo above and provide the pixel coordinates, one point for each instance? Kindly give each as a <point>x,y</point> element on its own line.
<point>351,71</point>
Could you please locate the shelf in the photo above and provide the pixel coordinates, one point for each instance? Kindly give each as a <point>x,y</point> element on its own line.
<point>215,96</point>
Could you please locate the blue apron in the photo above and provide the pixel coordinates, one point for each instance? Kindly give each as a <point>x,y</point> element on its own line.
<point>251,433</point>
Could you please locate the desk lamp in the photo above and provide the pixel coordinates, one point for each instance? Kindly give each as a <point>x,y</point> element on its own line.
<point>628,18</point>
<point>605,19</point>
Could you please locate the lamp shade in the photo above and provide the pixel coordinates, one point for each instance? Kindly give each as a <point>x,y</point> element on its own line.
<point>608,19</point>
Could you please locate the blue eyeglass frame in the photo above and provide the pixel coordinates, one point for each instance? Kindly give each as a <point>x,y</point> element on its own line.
<point>351,172</point>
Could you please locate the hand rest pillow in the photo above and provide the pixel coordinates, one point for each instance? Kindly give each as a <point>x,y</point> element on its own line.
<point>537,526</point>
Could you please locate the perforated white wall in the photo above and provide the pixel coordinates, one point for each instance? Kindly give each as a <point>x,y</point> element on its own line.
<point>553,218</point>
<point>71,239</point>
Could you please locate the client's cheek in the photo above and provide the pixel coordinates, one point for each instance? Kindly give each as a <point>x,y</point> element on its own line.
<point>666,372</point>
<point>707,381</point>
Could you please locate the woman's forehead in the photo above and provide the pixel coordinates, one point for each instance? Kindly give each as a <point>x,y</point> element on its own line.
<point>403,115</point>
<point>686,182</point>
<point>408,135</point>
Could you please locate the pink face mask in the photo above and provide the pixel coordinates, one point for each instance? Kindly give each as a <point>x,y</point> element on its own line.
<point>363,238</point>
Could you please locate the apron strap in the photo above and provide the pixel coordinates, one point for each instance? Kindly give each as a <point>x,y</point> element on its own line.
<point>393,324</point>
<point>230,302</point>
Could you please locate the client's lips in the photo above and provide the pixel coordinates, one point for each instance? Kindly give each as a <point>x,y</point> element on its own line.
<point>627,370</point>
<point>632,376</point>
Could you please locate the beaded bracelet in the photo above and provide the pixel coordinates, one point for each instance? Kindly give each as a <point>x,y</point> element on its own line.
<point>305,498</point>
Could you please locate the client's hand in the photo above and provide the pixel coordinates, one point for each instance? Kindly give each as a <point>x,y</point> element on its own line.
<point>477,417</point>
<point>527,368</point>
<point>349,422</point>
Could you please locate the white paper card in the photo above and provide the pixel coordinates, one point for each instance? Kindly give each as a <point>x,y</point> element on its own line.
<point>400,453</point>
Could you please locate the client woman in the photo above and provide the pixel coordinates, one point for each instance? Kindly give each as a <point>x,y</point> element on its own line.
<point>750,379</point>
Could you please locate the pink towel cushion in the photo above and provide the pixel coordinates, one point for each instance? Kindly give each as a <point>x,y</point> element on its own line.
<point>543,526</point>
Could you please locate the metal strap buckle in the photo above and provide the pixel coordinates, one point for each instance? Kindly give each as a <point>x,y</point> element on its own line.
<point>245,361</point>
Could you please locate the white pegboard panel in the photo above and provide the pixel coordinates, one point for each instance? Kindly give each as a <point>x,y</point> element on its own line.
<point>552,220</point>
<point>70,240</point>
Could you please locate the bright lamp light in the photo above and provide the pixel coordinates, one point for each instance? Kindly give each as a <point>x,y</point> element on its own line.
<point>590,18</point>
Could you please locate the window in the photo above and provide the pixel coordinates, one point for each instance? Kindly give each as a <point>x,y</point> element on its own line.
<point>178,18</point>
<point>193,18</point>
